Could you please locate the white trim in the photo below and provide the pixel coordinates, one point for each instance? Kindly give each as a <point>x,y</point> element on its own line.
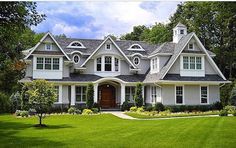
<point>189,45</point>
<point>182,95</point>
<point>161,54</point>
<point>78,58</point>
<point>76,51</point>
<point>106,46</point>
<point>45,47</point>
<point>138,60</point>
<point>82,46</point>
<point>43,38</point>
<point>101,46</point>
<point>133,49</point>
<point>137,54</point>
<point>201,94</point>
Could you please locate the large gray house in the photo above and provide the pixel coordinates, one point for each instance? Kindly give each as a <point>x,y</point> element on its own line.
<point>181,72</point>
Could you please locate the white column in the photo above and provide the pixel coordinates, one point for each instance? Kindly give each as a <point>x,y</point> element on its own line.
<point>60,94</point>
<point>72,102</point>
<point>143,94</point>
<point>112,63</point>
<point>103,63</point>
<point>122,94</point>
<point>95,87</point>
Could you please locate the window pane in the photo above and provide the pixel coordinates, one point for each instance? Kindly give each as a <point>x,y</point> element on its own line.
<point>185,62</point>
<point>199,62</point>
<point>48,46</point>
<point>48,63</point>
<point>192,62</point>
<point>39,64</point>
<point>190,46</point>
<point>55,63</point>
<point>107,63</point>
<point>204,94</point>
<point>181,31</point>
<point>99,65</point>
<point>179,94</point>
<point>116,64</point>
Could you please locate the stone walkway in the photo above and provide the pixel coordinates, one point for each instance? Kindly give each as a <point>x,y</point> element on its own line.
<point>122,115</point>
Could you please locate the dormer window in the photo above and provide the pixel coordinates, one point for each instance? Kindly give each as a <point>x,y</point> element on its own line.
<point>190,46</point>
<point>136,60</point>
<point>48,46</point>
<point>136,47</point>
<point>108,46</point>
<point>76,44</point>
<point>181,31</point>
<point>76,59</point>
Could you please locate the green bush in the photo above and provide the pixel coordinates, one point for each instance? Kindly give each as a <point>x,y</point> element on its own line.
<point>217,106</point>
<point>149,108</point>
<point>24,113</point>
<point>126,106</point>
<point>95,110</point>
<point>17,113</point>
<point>87,112</point>
<point>229,108</point>
<point>159,107</point>
<point>77,111</point>
<point>140,109</point>
<point>188,108</point>
<point>71,110</point>
<point>133,109</point>
<point>90,97</point>
<point>5,103</point>
<point>138,97</point>
<point>234,113</point>
<point>223,112</point>
<point>96,105</point>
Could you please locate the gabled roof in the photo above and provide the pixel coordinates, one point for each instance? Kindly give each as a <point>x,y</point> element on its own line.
<point>180,25</point>
<point>43,38</point>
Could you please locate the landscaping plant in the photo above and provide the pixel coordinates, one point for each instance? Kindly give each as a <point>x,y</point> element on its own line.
<point>87,112</point>
<point>138,97</point>
<point>159,107</point>
<point>223,112</point>
<point>90,95</point>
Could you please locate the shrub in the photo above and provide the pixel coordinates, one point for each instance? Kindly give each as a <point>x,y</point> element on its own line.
<point>189,108</point>
<point>223,112</point>
<point>71,110</point>
<point>217,106</point>
<point>24,113</point>
<point>96,105</point>
<point>17,113</point>
<point>126,106</point>
<point>159,107</point>
<point>87,112</point>
<point>138,97</point>
<point>229,108</point>
<point>95,110</point>
<point>90,97</point>
<point>140,109</point>
<point>234,113</point>
<point>32,112</point>
<point>233,96</point>
<point>5,104</point>
<point>133,109</point>
<point>149,108</point>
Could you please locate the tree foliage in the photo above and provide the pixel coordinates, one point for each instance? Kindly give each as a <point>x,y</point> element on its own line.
<point>138,97</point>
<point>41,95</point>
<point>136,34</point>
<point>233,96</point>
<point>90,96</point>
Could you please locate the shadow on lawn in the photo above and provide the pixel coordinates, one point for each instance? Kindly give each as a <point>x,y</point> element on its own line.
<point>9,137</point>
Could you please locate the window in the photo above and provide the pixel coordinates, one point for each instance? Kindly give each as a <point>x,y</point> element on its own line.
<point>192,62</point>
<point>56,64</point>
<point>57,92</point>
<point>181,31</point>
<point>107,63</point>
<point>185,62</point>
<point>204,95</point>
<point>76,59</point>
<point>75,44</point>
<point>81,94</point>
<point>179,94</point>
<point>154,94</point>
<point>175,32</point>
<point>116,64</point>
<point>136,47</point>
<point>136,60</point>
<point>99,64</point>
<point>108,46</point>
<point>48,63</point>
<point>198,62</point>
<point>48,46</point>
<point>190,46</point>
<point>155,64</point>
<point>39,64</point>
<point>129,93</point>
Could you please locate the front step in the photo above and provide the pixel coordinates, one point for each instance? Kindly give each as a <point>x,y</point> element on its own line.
<point>110,109</point>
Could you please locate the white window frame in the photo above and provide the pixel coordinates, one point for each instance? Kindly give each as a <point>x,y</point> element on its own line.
<point>70,45</point>
<point>50,46</point>
<point>117,62</point>
<point>45,63</point>
<point>110,63</point>
<point>182,95</point>
<point>108,48</point>
<point>81,95</point>
<point>74,58</point>
<point>181,30</point>
<point>131,96</point>
<point>136,57</point>
<point>136,49</point>
<point>154,94</point>
<point>56,87</point>
<point>113,66</point>
<point>200,88</point>
<point>189,46</point>
<point>189,61</point>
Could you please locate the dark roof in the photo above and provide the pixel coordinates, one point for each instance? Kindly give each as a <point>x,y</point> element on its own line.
<point>177,77</point>
<point>132,78</point>
<point>48,52</point>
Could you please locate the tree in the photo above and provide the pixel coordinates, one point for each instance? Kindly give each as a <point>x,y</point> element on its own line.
<point>136,34</point>
<point>15,18</point>
<point>233,96</point>
<point>42,95</point>
<point>90,96</point>
<point>138,97</point>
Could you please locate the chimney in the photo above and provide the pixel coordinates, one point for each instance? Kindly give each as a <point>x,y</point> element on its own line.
<point>179,31</point>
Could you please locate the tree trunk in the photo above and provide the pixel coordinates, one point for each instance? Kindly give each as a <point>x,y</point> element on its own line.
<point>40,119</point>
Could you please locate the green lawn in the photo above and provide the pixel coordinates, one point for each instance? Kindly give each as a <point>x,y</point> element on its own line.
<point>109,131</point>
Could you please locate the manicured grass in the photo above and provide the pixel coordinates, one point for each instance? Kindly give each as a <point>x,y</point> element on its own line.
<point>109,131</point>
<point>146,116</point>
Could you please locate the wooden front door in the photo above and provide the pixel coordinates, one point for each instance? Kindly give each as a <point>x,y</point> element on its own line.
<point>107,96</point>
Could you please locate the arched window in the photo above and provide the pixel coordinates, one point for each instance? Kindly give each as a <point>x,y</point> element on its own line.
<point>76,44</point>
<point>136,60</point>
<point>76,59</point>
<point>136,47</point>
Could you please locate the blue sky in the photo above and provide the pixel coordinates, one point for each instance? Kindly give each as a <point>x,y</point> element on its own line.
<point>98,19</point>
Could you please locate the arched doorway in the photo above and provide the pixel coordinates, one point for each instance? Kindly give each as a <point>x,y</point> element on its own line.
<point>107,95</point>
